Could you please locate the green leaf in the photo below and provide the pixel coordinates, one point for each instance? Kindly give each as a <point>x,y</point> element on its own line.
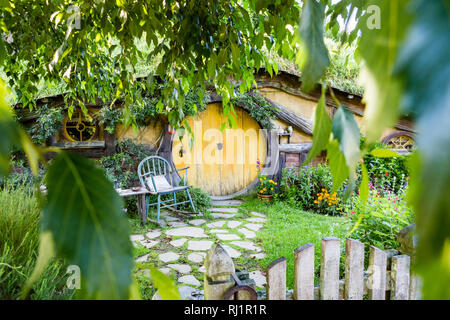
<point>424,66</point>
<point>384,153</point>
<point>13,136</point>
<point>84,215</point>
<point>346,131</point>
<point>166,287</point>
<point>378,47</point>
<point>313,56</point>
<point>364,186</point>
<point>338,166</point>
<point>321,130</point>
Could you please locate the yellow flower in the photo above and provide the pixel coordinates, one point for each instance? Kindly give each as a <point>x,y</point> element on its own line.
<point>315,201</point>
<point>319,198</point>
<point>271,188</point>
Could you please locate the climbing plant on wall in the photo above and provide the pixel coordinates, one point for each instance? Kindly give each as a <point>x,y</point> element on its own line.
<point>257,107</point>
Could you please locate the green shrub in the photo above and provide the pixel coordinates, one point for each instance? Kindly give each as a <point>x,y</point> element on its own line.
<point>122,166</point>
<point>201,200</point>
<point>21,175</point>
<point>385,173</point>
<point>381,219</point>
<point>48,122</point>
<point>309,189</point>
<point>19,242</point>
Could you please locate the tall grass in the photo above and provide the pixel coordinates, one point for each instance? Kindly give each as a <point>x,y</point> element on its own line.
<point>19,242</point>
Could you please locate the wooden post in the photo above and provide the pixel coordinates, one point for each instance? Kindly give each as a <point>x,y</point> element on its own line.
<point>415,287</point>
<point>141,208</point>
<point>354,270</point>
<point>276,280</point>
<point>377,274</point>
<point>304,272</point>
<point>400,277</point>
<point>329,269</point>
<point>217,279</point>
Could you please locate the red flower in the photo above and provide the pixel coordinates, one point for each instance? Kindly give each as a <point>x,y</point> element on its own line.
<point>353,211</point>
<point>387,173</point>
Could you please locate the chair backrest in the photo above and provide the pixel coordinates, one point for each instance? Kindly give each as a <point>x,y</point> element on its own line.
<point>155,174</point>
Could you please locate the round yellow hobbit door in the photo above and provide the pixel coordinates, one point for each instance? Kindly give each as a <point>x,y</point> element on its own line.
<point>80,128</point>
<point>221,162</point>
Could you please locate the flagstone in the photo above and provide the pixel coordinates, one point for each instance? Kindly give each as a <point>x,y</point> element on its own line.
<point>189,279</point>
<point>202,269</point>
<point>197,222</point>
<point>258,214</point>
<point>257,220</point>
<point>218,231</point>
<point>228,237</point>
<point>193,232</point>
<point>258,277</point>
<point>171,219</point>
<point>233,253</point>
<point>168,256</point>
<point>166,271</point>
<point>149,243</point>
<point>230,210</point>
<point>223,215</point>
<point>247,233</point>
<point>253,226</point>
<point>233,224</point>
<point>196,257</point>
<point>246,245</point>
<point>153,234</point>
<point>178,242</point>
<point>136,237</point>
<point>182,268</point>
<point>177,224</point>
<point>164,213</point>
<point>258,256</point>
<point>217,224</point>
<point>189,293</point>
<point>201,245</point>
<point>227,202</point>
<point>142,258</point>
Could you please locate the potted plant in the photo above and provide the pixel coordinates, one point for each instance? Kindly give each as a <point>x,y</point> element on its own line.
<point>266,187</point>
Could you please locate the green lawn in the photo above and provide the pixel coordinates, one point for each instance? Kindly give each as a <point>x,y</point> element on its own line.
<point>288,228</point>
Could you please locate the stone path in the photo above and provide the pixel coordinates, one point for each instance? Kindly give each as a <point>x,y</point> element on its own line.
<point>179,250</point>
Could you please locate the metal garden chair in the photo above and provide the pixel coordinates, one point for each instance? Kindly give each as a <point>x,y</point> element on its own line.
<point>155,174</point>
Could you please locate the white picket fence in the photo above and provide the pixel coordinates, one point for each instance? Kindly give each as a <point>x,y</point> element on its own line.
<point>378,283</point>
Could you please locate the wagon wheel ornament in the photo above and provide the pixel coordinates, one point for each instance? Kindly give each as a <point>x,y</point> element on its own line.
<point>233,292</point>
<point>79,128</point>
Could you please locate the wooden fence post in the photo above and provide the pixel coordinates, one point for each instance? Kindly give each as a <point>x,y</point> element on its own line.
<point>400,277</point>
<point>304,272</point>
<point>377,274</point>
<point>354,270</point>
<point>217,279</point>
<point>276,280</point>
<point>329,269</point>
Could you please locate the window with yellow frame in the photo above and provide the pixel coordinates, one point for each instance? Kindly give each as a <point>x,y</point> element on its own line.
<point>82,127</point>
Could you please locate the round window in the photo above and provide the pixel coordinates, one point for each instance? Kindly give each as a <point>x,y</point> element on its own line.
<point>80,127</point>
